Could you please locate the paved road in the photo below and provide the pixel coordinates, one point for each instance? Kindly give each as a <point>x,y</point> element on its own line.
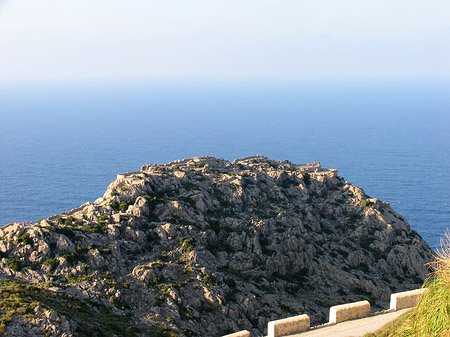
<point>354,328</point>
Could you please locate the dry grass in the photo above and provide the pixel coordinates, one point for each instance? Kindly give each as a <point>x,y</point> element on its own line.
<point>431,316</point>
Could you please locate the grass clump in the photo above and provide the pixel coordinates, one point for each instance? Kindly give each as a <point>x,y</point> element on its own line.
<point>388,329</point>
<point>431,316</point>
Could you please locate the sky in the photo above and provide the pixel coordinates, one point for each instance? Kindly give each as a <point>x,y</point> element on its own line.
<point>117,40</point>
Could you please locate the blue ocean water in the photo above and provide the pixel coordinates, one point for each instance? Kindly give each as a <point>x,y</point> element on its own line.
<point>61,145</point>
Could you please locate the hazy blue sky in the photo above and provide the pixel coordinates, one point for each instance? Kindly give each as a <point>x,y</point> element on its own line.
<point>223,39</point>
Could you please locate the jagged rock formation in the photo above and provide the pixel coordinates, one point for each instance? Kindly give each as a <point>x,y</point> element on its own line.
<point>205,247</point>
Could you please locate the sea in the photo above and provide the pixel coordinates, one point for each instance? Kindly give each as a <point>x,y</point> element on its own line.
<point>62,144</point>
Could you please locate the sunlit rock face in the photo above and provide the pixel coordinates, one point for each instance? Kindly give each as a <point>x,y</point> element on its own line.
<point>205,247</point>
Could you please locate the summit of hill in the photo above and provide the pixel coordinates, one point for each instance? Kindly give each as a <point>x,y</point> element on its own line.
<point>205,247</point>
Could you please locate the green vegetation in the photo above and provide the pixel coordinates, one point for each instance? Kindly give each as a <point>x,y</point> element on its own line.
<point>209,280</point>
<point>123,206</point>
<point>52,262</point>
<point>388,329</point>
<point>24,239</point>
<point>186,244</point>
<point>14,263</point>
<point>73,258</point>
<point>366,203</point>
<point>114,205</point>
<point>99,227</point>
<point>71,278</point>
<point>106,251</point>
<point>92,319</point>
<point>431,316</point>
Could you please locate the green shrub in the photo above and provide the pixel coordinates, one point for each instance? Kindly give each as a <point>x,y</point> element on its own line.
<point>73,258</point>
<point>14,263</point>
<point>71,278</point>
<point>366,203</point>
<point>46,333</point>
<point>209,280</point>
<point>102,217</point>
<point>124,205</point>
<point>186,244</point>
<point>114,206</point>
<point>51,262</point>
<point>99,227</point>
<point>25,239</point>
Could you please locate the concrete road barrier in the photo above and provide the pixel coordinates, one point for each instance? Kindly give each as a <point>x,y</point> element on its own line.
<point>345,312</point>
<point>406,299</point>
<point>243,333</point>
<point>288,326</point>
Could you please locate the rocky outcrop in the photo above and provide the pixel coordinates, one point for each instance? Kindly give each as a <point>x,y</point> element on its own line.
<point>205,247</point>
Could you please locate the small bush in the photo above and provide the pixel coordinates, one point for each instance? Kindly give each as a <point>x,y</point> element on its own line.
<point>14,263</point>
<point>186,244</point>
<point>209,280</point>
<point>51,262</point>
<point>71,278</point>
<point>114,206</point>
<point>124,205</point>
<point>102,217</point>
<point>366,203</point>
<point>72,258</point>
<point>25,239</point>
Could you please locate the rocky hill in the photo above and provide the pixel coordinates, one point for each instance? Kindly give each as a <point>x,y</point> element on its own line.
<point>205,247</point>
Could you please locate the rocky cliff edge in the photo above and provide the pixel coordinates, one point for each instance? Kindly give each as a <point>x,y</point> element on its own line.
<point>205,247</point>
